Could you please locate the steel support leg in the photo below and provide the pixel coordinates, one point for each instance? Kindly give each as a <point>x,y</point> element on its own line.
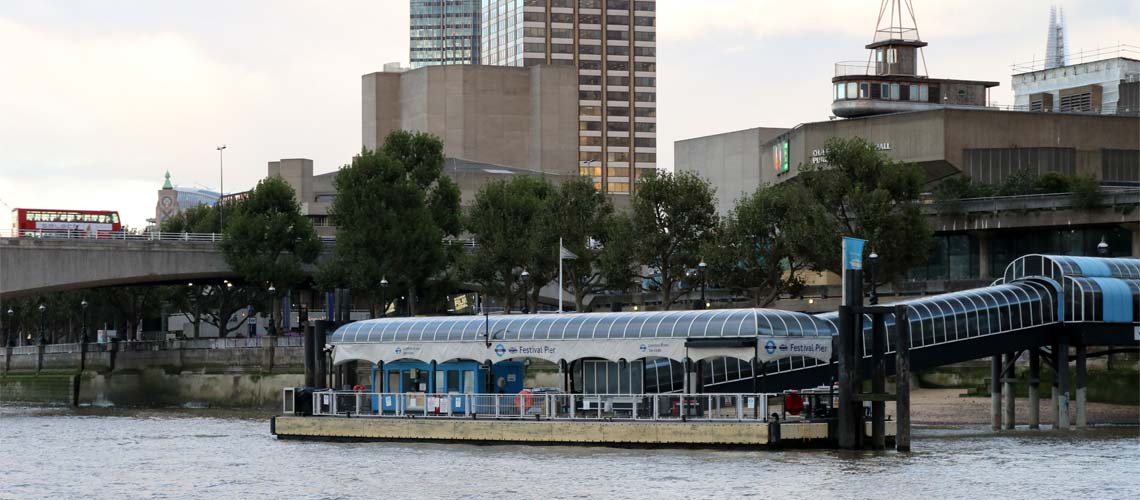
<point>1063,384</point>
<point>1082,389</point>
<point>1007,388</point>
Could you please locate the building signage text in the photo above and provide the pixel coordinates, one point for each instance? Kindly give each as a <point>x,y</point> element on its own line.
<point>819,156</point>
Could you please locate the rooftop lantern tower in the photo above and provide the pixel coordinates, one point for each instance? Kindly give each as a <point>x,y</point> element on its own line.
<point>897,46</point>
<point>894,78</point>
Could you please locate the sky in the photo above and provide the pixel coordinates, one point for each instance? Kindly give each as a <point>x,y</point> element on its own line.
<point>98,99</point>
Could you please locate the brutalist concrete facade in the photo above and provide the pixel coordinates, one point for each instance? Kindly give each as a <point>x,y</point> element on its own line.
<point>525,118</point>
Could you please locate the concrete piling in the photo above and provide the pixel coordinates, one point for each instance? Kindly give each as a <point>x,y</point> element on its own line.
<point>1008,379</point>
<point>995,392</point>
<point>1034,389</point>
<point>1062,395</point>
<point>1056,356</point>
<point>1082,390</point>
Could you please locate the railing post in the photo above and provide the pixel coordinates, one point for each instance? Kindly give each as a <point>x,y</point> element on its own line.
<point>572,405</point>
<point>497,398</point>
<point>656,406</point>
<point>740,407</point>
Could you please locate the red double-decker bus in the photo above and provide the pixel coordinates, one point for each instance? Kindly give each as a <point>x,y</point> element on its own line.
<point>37,221</point>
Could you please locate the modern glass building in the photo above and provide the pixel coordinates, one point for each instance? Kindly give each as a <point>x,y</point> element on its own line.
<point>613,45</point>
<point>444,32</point>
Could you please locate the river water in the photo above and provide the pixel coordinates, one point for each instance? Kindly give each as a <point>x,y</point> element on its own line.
<point>121,454</point>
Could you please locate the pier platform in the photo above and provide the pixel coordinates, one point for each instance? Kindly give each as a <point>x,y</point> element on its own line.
<point>554,432</point>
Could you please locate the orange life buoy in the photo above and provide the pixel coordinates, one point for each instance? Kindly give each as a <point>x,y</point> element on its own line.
<point>358,388</point>
<point>525,399</point>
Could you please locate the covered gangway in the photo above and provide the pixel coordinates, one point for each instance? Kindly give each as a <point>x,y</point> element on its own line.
<point>674,335</point>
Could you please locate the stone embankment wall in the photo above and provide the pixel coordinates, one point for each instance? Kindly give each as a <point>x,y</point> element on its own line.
<point>125,375</point>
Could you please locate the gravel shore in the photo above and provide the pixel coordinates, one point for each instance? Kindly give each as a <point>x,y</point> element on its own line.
<point>946,406</point>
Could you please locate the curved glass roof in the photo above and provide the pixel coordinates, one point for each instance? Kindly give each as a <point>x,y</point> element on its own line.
<point>625,325</point>
<point>971,313</point>
<point>1057,267</point>
<point>1099,299</point>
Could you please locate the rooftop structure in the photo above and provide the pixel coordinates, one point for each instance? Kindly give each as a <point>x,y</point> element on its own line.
<point>174,199</point>
<point>1103,81</point>
<point>1055,53</point>
<point>893,78</point>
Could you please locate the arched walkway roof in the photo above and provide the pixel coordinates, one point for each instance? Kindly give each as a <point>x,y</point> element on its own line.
<point>627,335</point>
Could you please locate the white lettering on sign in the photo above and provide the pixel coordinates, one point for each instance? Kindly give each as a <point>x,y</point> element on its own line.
<point>819,156</point>
<point>782,347</point>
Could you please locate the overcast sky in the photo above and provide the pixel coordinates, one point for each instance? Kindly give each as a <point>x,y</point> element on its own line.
<point>99,98</point>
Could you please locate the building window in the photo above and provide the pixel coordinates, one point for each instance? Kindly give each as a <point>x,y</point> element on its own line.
<point>590,34</point>
<point>589,111</point>
<point>590,4</point>
<point>617,20</point>
<point>617,50</point>
<point>852,90</point>
<point>864,91</point>
<point>645,127</point>
<point>590,171</point>
<point>618,111</point>
<point>995,165</point>
<point>645,142</point>
<point>595,126</point>
<point>645,51</point>
<point>894,91</point>
<point>590,141</point>
<point>617,65</point>
<point>645,97</point>
<point>589,156</point>
<point>620,81</point>
<point>646,112</point>
<point>618,126</point>
<point>589,80</point>
<point>618,156</point>
<point>617,96</point>
<point>645,157</point>
<point>621,142</point>
<point>619,187</point>
<point>588,64</point>
<point>590,95</point>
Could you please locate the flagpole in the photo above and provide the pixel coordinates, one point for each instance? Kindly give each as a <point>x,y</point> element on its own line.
<point>559,275</point>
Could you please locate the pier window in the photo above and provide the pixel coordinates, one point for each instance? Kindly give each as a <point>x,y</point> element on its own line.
<point>852,90</point>
<point>864,91</point>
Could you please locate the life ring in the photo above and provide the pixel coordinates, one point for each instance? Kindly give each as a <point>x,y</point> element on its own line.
<point>358,388</point>
<point>524,400</point>
<point>793,403</point>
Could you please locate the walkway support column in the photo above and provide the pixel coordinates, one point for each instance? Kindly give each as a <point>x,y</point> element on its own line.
<point>1007,387</point>
<point>848,376</point>
<point>1082,390</point>
<point>995,392</point>
<point>1034,389</point>
<point>1063,384</point>
<point>902,379</point>
<point>1056,355</point>
<point>320,335</point>
<point>311,353</point>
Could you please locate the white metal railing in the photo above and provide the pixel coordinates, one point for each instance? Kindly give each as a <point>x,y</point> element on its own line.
<point>163,345</point>
<point>25,349</point>
<point>548,406</point>
<point>77,234</point>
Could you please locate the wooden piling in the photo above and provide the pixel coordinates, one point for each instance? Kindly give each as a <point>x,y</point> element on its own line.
<point>902,379</point>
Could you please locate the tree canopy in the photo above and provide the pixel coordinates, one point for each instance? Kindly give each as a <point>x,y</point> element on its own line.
<point>672,216</point>
<point>393,210</point>
<point>866,195</point>
<point>266,240</point>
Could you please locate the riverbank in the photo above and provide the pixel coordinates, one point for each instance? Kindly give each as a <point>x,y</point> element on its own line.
<point>949,407</point>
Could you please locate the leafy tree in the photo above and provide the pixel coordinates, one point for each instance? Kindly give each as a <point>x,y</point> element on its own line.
<point>393,210</point>
<point>673,216</point>
<point>760,247</point>
<point>267,240</point>
<point>867,195</point>
<point>215,304</point>
<point>507,222</point>
<point>585,221</point>
<point>196,219</point>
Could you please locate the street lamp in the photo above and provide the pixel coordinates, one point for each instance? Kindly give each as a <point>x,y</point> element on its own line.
<point>43,324</point>
<point>83,329</point>
<point>8,340</point>
<point>383,296</point>
<point>701,268</point>
<point>525,279</point>
<point>272,330</point>
<point>873,299</point>
<point>1102,247</point>
<point>221,184</point>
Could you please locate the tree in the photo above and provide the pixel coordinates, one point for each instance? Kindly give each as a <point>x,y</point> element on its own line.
<point>196,219</point>
<point>583,219</point>
<point>673,216</point>
<point>267,240</point>
<point>506,221</point>
<point>866,195</point>
<point>760,247</point>
<point>393,210</point>
<point>214,304</point>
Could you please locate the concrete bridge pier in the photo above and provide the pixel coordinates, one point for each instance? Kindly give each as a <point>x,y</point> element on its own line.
<point>1034,389</point>
<point>1082,389</point>
<point>995,392</point>
<point>1007,387</point>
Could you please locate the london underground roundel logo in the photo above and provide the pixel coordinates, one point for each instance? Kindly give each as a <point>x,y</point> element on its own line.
<point>500,350</point>
<point>770,347</point>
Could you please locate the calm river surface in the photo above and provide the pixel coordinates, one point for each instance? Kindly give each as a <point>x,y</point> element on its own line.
<point>118,454</point>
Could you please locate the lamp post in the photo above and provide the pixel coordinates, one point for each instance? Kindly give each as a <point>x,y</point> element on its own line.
<point>383,296</point>
<point>221,185</point>
<point>873,298</point>
<point>43,325</point>
<point>272,330</point>
<point>701,268</point>
<point>8,340</point>
<point>1102,247</point>
<point>525,279</point>
<point>83,327</point>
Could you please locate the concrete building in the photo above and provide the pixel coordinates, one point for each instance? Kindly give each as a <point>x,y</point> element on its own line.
<point>612,43</point>
<point>729,161</point>
<point>522,118</point>
<point>443,32</point>
<point>172,200</point>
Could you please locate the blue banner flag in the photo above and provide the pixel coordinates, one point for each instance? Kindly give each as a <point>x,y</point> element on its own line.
<point>853,253</point>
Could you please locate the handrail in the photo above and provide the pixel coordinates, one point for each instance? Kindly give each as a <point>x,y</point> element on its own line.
<point>721,407</point>
<point>74,234</point>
